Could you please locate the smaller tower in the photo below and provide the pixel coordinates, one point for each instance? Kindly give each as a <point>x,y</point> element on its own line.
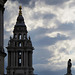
<point>20,50</point>
<point>69,67</point>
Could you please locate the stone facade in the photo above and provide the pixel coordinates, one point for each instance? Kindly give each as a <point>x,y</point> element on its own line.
<point>1,65</point>
<point>2,24</point>
<point>20,50</point>
<point>2,54</point>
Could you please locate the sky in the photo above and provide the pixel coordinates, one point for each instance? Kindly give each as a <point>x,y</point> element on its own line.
<point>51,26</point>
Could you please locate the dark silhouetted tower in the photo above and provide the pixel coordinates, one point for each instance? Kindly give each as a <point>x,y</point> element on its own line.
<point>20,50</point>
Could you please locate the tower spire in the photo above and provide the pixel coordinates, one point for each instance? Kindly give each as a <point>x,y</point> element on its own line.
<point>20,10</point>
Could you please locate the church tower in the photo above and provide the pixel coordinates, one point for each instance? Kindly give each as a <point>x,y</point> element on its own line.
<point>2,53</point>
<point>20,50</point>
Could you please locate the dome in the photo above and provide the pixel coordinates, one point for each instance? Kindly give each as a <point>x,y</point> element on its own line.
<point>20,19</point>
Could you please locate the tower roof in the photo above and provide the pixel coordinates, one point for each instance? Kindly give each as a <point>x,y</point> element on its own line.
<point>20,24</point>
<point>20,19</point>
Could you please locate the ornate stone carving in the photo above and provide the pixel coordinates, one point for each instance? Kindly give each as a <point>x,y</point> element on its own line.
<point>69,65</point>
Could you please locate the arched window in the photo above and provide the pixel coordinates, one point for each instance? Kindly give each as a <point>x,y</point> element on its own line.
<point>20,44</point>
<point>20,36</point>
<point>20,61</point>
<point>20,53</point>
<point>19,58</point>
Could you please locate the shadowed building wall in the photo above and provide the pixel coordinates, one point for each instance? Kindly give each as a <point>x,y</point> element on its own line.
<point>2,54</point>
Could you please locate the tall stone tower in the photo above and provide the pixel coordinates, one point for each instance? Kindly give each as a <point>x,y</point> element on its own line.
<point>2,54</point>
<point>20,50</point>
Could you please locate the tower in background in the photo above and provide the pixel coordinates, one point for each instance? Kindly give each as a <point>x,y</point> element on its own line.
<point>20,50</point>
<point>2,53</point>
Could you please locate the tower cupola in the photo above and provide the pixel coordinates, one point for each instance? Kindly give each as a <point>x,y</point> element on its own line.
<point>20,19</point>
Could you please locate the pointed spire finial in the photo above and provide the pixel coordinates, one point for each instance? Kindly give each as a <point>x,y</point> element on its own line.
<point>20,8</point>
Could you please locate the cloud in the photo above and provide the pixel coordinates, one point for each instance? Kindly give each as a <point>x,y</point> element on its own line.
<point>40,38</point>
<point>58,56</point>
<point>48,50</point>
<point>39,15</point>
<point>48,2</point>
<point>55,2</point>
<point>27,3</point>
<point>23,1</point>
<point>42,58</point>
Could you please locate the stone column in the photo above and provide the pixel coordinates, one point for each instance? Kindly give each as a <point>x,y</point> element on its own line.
<point>22,56</point>
<point>1,27</point>
<point>26,59</point>
<point>16,58</point>
<point>12,58</point>
<point>9,59</point>
<point>30,60</point>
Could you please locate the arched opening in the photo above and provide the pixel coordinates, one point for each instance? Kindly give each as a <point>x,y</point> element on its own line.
<point>19,44</point>
<point>20,36</point>
<point>19,62</point>
<point>19,58</point>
